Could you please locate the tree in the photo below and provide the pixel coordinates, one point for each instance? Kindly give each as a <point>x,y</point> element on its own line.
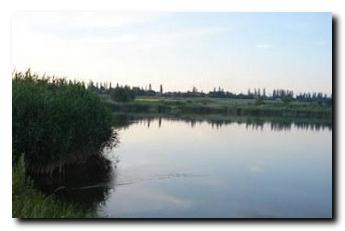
<point>195,90</point>
<point>122,94</point>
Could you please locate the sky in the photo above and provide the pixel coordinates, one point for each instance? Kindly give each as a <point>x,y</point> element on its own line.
<point>236,51</point>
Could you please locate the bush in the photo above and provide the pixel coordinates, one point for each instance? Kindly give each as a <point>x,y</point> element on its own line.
<point>287,99</point>
<point>56,122</point>
<point>259,101</point>
<point>122,94</point>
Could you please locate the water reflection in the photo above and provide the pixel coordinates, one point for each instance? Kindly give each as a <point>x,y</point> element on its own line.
<point>85,183</point>
<point>215,167</point>
<point>253,123</point>
<point>204,167</point>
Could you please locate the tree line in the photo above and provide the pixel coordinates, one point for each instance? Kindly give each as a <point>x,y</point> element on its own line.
<point>126,93</point>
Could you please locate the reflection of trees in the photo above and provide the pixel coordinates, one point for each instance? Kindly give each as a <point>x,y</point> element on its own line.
<point>192,123</point>
<point>85,184</point>
<point>254,123</point>
<point>148,122</point>
<point>160,122</point>
<point>122,120</point>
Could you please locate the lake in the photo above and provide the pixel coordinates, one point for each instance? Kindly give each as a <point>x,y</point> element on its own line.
<point>170,168</point>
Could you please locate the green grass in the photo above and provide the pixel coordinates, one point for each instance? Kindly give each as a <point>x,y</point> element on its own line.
<point>194,100</point>
<point>225,106</point>
<point>28,202</point>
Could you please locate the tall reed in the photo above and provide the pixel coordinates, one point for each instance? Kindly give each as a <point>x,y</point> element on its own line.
<point>55,121</point>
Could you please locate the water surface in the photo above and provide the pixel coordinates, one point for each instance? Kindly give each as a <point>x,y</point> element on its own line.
<point>186,169</point>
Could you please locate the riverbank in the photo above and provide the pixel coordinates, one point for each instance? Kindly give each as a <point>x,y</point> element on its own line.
<point>224,107</point>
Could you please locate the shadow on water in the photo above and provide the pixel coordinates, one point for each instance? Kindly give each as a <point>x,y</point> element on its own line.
<point>85,183</point>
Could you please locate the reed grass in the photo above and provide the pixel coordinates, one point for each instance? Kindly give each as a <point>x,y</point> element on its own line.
<point>55,122</point>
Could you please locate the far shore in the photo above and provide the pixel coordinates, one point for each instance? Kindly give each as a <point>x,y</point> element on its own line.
<point>180,106</point>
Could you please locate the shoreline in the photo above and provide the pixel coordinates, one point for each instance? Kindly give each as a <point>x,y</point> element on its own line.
<point>221,107</point>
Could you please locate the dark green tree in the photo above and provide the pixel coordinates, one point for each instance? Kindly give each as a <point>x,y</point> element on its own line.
<point>122,94</point>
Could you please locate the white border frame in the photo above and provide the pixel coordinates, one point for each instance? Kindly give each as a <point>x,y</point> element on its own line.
<point>8,7</point>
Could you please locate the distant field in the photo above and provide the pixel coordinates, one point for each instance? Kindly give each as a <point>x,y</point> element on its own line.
<point>224,106</point>
<point>196,100</point>
<point>210,101</point>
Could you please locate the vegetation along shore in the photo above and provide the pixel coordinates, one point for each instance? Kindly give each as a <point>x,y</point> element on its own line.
<point>55,123</point>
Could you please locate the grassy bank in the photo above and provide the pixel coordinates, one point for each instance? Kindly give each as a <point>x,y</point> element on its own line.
<point>231,107</point>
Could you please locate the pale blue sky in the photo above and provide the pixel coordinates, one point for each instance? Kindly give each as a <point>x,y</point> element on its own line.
<point>236,51</point>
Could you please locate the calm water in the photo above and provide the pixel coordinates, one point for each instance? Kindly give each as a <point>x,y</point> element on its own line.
<point>170,168</point>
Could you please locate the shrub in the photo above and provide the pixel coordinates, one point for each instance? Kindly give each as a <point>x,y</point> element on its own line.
<point>55,122</point>
<point>287,99</point>
<point>259,101</point>
<point>122,94</point>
